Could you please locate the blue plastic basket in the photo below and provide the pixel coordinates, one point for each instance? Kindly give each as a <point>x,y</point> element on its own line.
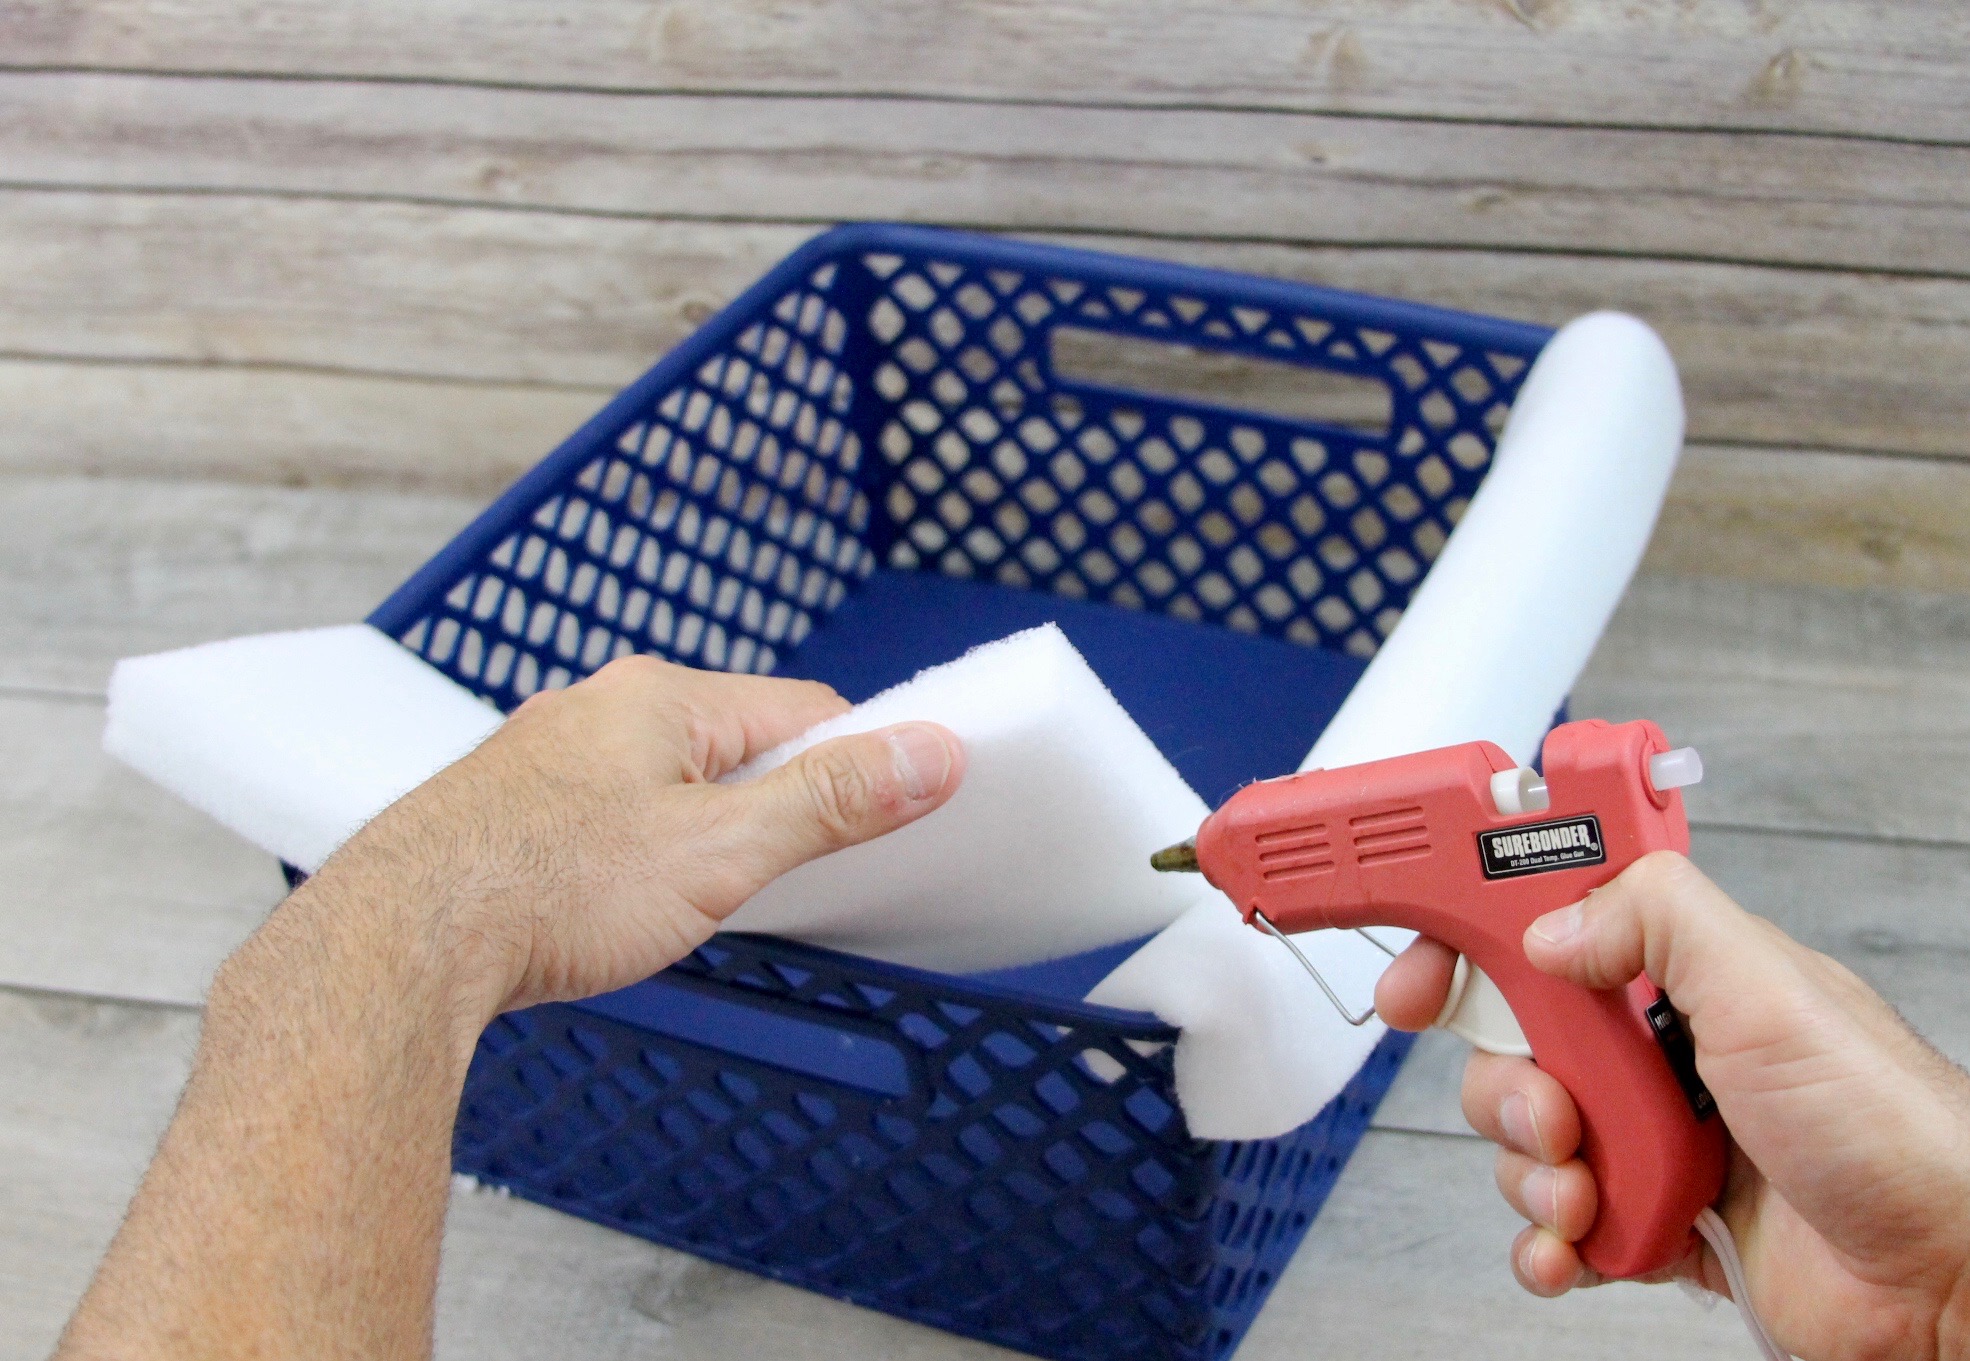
<point>879,421</point>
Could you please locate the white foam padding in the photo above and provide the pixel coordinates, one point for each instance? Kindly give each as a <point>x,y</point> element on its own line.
<point>293,740</point>
<point>1489,647</point>
<point>1042,852</point>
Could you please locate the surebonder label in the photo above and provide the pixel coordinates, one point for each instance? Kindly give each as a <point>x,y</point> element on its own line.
<point>1541,847</point>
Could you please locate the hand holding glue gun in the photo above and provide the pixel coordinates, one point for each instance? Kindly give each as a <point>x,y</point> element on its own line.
<point>1845,1175</point>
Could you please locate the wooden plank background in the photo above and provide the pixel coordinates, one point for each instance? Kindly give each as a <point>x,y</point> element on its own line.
<point>288,290</point>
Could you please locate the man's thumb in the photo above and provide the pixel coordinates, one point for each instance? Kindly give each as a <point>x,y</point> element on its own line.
<point>841,793</point>
<point>1660,916</point>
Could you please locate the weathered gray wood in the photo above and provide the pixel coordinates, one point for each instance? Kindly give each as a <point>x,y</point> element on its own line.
<point>1837,65</point>
<point>1239,174</point>
<point>1425,1098</point>
<point>1809,518</point>
<point>108,885</point>
<point>1408,1256</point>
<point>1769,355</point>
<point>1844,712</point>
<point>95,570</point>
<point>89,1088</point>
<point>286,426</point>
<point>380,289</point>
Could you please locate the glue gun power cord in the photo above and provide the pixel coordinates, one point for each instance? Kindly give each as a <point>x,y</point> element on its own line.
<point>1718,1235</point>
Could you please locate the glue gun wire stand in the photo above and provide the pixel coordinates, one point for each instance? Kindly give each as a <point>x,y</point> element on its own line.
<point>1182,858</point>
<point>1361,1017</point>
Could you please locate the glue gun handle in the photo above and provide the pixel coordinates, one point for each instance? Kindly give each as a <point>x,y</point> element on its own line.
<point>1656,1150</point>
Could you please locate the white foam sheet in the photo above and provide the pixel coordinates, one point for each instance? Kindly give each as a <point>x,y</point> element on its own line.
<point>295,740</point>
<point>292,740</point>
<point>1256,1057</point>
<point>1489,647</point>
<point>1042,852</point>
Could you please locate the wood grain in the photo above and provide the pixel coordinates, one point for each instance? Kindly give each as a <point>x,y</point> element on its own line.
<point>1769,355</point>
<point>1820,711</point>
<point>113,887</point>
<point>96,570</point>
<point>1810,518</point>
<point>90,1086</point>
<point>284,426</point>
<point>1408,1255</point>
<point>1833,65</point>
<point>1205,173</point>
<point>380,249</point>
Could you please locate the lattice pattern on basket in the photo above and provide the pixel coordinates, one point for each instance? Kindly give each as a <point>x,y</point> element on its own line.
<point>715,528</point>
<point>1313,533</point>
<point>717,523</point>
<point>1012,1194</point>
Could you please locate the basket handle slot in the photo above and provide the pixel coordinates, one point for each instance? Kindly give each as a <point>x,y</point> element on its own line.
<point>1190,374</point>
<point>835,1054</point>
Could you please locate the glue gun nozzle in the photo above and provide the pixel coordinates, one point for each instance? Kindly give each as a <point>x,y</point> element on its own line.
<point>1178,859</point>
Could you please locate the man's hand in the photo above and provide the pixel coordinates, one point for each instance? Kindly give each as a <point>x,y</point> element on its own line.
<point>296,1202</point>
<point>1849,1189</point>
<point>587,845</point>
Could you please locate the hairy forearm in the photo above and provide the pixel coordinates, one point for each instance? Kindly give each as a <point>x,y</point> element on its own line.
<point>296,1203</point>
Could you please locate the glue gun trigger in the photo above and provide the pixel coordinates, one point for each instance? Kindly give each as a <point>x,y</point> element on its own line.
<point>1476,1012</point>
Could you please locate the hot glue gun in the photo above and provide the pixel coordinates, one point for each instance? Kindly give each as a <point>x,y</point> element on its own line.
<point>1464,845</point>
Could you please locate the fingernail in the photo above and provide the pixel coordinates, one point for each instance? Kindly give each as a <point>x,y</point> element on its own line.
<point>1521,1126</point>
<point>1541,1193</point>
<point>922,756</point>
<point>1524,1253</point>
<point>1556,928</point>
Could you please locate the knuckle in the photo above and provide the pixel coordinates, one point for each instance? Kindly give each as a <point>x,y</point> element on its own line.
<point>818,690</point>
<point>640,670</point>
<point>840,792</point>
<point>1661,874</point>
<point>538,706</point>
<point>1479,1093</point>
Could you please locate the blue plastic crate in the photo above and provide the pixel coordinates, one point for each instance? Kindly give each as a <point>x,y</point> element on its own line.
<point>879,421</point>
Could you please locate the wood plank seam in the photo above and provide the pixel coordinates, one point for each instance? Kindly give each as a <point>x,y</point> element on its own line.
<point>29,993</point>
<point>821,93</point>
<point>990,226</point>
<point>1833,836</point>
<point>1797,197</point>
<point>293,366</point>
<point>1833,359</point>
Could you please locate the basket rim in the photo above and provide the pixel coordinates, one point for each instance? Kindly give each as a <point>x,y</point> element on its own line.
<point>1033,1006</point>
<point>403,606</point>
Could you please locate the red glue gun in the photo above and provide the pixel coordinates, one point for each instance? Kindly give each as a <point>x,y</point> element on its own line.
<point>1463,845</point>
